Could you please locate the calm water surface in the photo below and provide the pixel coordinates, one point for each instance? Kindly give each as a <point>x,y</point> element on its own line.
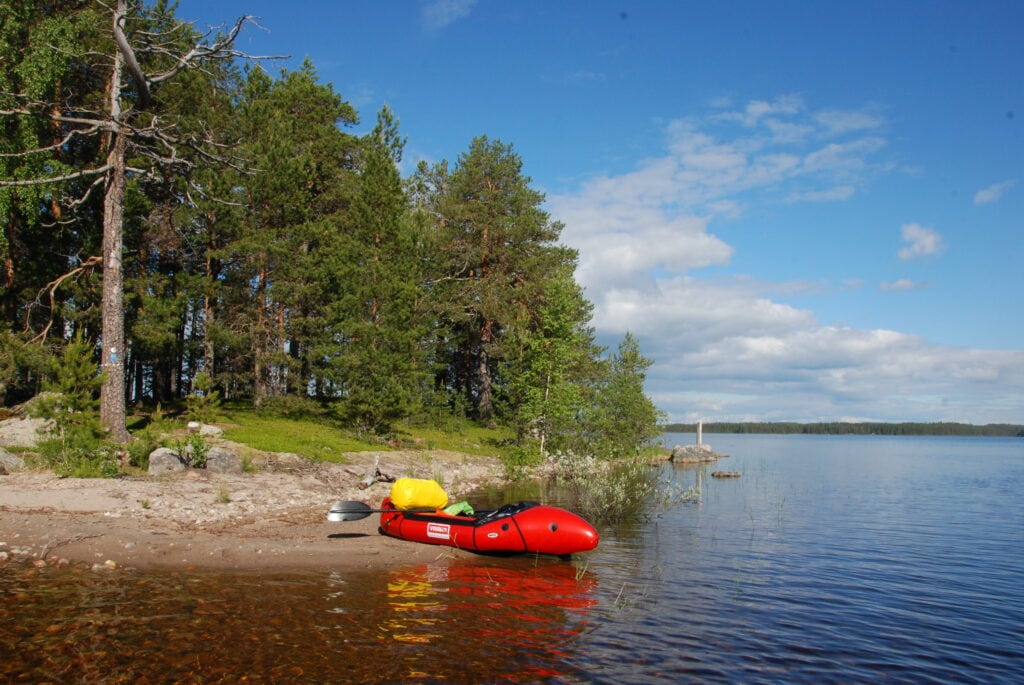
<point>832,559</point>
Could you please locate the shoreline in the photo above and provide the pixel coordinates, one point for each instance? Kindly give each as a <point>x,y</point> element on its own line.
<point>274,519</point>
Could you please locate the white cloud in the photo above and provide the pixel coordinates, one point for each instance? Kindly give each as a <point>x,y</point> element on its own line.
<point>815,372</point>
<point>438,14</point>
<point>901,284</point>
<point>756,111</point>
<point>839,122</point>
<point>655,219</point>
<point>724,348</point>
<point>621,237</point>
<point>827,195</point>
<point>993,192</point>
<point>922,242</point>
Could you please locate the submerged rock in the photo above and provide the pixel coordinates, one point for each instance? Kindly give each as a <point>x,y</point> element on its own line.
<point>725,474</point>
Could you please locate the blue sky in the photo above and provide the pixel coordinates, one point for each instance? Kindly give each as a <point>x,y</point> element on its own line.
<point>804,210</point>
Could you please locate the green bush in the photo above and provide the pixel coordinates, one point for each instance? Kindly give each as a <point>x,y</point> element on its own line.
<point>78,459</point>
<point>611,492</point>
<point>193,450</point>
<point>519,459</point>
<point>76,446</point>
<point>204,403</point>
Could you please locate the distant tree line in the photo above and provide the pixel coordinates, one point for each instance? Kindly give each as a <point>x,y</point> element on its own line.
<point>264,253</point>
<point>861,428</point>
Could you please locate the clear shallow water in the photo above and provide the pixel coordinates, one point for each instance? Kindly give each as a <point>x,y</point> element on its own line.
<point>832,559</point>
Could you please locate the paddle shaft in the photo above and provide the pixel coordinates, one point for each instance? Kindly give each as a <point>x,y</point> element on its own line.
<point>354,511</point>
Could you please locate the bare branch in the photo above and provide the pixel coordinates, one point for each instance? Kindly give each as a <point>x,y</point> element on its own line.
<point>51,148</point>
<point>51,289</point>
<point>220,49</point>
<point>92,125</point>
<point>72,204</point>
<point>84,173</point>
<point>129,58</point>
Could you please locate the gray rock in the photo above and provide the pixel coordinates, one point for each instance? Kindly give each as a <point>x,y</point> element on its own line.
<point>221,460</point>
<point>20,432</point>
<point>205,430</point>
<point>164,460</point>
<point>211,431</point>
<point>10,462</point>
<point>693,454</point>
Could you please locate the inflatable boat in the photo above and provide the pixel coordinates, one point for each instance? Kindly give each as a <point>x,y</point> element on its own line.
<point>512,528</point>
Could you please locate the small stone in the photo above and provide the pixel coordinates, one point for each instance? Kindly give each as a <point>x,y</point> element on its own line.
<point>110,563</point>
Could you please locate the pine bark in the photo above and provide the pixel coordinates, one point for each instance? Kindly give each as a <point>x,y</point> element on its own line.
<point>112,400</point>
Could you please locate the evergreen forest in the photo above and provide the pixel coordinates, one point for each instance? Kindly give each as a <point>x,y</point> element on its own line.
<point>181,226</point>
<point>1003,430</point>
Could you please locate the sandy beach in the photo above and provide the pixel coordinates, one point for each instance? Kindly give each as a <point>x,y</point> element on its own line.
<point>271,519</point>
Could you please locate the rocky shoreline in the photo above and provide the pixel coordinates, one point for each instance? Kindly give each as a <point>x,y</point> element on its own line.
<point>268,516</point>
<point>272,516</point>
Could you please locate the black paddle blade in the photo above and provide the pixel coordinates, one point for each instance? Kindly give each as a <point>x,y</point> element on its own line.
<point>349,511</point>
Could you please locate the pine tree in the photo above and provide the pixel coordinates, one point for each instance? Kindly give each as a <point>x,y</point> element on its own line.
<point>303,160</point>
<point>494,246</point>
<point>377,360</point>
<point>120,55</point>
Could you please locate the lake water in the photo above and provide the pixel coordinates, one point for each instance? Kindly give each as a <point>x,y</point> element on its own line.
<point>831,559</point>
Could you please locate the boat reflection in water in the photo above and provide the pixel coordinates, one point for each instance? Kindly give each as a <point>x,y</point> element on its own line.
<point>509,621</point>
<point>472,620</point>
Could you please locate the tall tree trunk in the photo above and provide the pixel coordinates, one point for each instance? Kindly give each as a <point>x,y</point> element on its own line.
<point>112,404</point>
<point>260,344</point>
<point>484,398</point>
<point>208,321</point>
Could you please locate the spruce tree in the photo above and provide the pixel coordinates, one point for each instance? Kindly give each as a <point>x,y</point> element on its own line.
<point>624,418</point>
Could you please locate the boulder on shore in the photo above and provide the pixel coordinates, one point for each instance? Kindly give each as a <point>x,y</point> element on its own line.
<point>693,454</point>
<point>23,432</point>
<point>165,460</point>
<point>221,460</point>
<point>205,429</point>
<point>10,462</point>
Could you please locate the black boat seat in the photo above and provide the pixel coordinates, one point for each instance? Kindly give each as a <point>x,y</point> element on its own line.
<point>504,510</point>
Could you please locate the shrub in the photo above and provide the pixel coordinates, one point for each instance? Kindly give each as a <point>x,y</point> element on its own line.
<point>193,450</point>
<point>204,402</point>
<point>76,447</point>
<point>610,492</point>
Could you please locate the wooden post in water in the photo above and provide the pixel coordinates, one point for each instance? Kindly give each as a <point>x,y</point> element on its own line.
<point>700,432</point>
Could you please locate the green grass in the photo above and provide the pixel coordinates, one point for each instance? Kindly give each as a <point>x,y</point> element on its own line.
<point>321,440</point>
<point>314,440</point>
<point>468,438</point>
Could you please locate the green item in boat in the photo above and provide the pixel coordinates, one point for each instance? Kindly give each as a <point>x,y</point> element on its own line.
<point>459,509</point>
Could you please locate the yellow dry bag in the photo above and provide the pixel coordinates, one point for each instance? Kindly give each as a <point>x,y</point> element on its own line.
<point>416,493</point>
